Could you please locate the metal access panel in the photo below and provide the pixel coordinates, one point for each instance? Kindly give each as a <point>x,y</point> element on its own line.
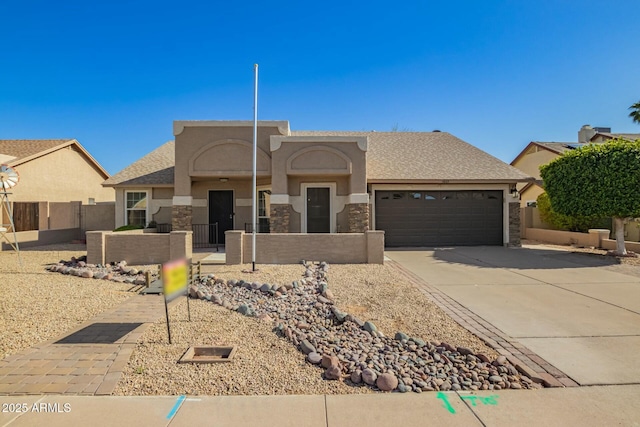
<point>440,218</point>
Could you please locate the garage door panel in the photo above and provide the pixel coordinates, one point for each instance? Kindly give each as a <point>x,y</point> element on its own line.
<point>437,218</point>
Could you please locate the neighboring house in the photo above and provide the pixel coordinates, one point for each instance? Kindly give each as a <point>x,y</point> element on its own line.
<point>51,171</point>
<point>537,153</point>
<point>596,135</point>
<point>421,188</point>
<point>534,155</point>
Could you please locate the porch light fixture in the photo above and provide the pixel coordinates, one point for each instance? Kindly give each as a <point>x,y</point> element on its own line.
<point>224,179</point>
<point>514,192</point>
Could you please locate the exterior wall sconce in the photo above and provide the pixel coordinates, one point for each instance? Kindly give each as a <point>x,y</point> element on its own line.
<point>224,179</point>
<point>514,193</point>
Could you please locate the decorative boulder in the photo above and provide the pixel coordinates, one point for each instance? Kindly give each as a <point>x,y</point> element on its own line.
<point>387,382</point>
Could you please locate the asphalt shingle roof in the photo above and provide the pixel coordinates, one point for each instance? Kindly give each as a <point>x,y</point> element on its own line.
<point>156,168</point>
<point>628,136</point>
<point>391,157</point>
<point>426,156</point>
<point>560,147</point>
<point>22,148</point>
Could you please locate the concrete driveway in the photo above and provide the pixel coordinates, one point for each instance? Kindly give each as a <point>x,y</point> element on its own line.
<point>578,312</point>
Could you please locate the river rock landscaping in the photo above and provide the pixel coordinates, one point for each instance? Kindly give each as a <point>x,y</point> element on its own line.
<point>116,272</point>
<point>348,348</point>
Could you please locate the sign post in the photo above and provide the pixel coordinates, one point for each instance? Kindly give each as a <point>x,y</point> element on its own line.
<point>175,276</point>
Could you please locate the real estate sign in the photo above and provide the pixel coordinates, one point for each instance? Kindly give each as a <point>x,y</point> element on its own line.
<point>175,278</point>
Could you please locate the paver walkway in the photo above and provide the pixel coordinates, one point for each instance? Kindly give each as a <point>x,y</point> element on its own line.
<point>88,360</point>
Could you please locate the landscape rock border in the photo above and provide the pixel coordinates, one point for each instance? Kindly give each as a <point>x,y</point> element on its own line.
<point>116,272</point>
<point>350,349</point>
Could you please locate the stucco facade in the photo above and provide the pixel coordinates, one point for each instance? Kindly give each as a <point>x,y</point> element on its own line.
<point>311,181</point>
<point>217,156</point>
<point>63,175</point>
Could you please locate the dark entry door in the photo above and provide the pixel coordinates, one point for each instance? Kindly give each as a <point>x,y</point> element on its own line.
<point>318,210</point>
<point>220,211</point>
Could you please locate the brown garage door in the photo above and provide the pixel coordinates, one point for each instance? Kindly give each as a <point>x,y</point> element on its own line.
<point>440,218</point>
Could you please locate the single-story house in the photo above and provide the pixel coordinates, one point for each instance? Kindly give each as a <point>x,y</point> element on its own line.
<point>56,176</point>
<point>421,188</point>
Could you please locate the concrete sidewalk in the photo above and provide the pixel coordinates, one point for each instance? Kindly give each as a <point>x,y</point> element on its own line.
<point>584,406</point>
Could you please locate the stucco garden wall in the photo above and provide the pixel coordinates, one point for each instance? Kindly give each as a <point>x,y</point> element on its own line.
<point>137,246</point>
<point>291,248</point>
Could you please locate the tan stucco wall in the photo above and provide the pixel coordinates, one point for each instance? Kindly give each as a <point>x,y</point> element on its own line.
<point>98,217</point>
<point>61,176</point>
<point>163,193</point>
<point>136,247</point>
<point>530,163</point>
<point>291,248</point>
<point>318,157</point>
<point>530,194</point>
<point>232,156</point>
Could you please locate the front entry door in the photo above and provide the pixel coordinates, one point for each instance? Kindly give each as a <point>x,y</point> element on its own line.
<point>318,210</point>
<point>220,211</point>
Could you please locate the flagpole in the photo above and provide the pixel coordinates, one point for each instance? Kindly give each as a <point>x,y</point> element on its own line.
<point>255,155</point>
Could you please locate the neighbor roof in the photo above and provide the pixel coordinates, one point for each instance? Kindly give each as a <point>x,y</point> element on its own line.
<point>156,168</point>
<point>628,136</point>
<point>17,151</point>
<point>426,156</point>
<point>554,147</point>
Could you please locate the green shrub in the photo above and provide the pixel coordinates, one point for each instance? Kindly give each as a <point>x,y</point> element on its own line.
<point>129,227</point>
<point>564,222</point>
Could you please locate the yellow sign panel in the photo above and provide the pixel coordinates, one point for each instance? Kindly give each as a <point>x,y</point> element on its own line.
<point>175,276</point>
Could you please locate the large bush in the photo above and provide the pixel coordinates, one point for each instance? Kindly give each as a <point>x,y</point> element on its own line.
<point>600,180</point>
<point>563,222</point>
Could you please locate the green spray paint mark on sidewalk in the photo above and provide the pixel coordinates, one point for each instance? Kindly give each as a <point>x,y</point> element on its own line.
<point>489,400</point>
<point>445,402</point>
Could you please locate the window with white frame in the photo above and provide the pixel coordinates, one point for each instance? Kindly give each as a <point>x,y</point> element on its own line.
<point>136,208</point>
<point>264,199</point>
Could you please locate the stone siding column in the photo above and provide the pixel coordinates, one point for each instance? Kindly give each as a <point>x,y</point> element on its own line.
<point>514,224</point>
<point>358,217</point>
<point>181,217</point>
<point>279,218</point>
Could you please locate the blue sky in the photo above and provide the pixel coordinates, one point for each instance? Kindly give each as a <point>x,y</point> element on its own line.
<point>498,74</point>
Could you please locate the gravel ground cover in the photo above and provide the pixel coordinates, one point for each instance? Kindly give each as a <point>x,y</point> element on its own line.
<point>36,306</point>
<point>266,362</point>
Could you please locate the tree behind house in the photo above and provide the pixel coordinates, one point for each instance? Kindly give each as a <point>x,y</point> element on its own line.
<point>635,112</point>
<point>596,181</point>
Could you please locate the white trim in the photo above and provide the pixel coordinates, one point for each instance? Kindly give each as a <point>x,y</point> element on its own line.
<point>358,198</point>
<point>279,199</point>
<point>146,209</point>
<point>182,200</point>
<point>332,205</point>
